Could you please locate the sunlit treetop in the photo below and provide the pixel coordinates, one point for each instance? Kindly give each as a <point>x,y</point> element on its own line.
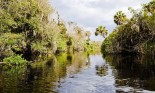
<point>101,30</point>
<point>150,7</point>
<point>120,18</point>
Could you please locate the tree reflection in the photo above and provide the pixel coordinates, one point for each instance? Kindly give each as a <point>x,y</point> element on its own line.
<point>44,76</point>
<point>69,59</point>
<point>101,70</point>
<point>137,71</point>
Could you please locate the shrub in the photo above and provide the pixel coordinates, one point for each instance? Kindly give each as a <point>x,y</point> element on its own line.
<point>15,60</point>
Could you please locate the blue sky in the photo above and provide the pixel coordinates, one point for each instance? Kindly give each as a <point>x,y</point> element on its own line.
<point>92,13</point>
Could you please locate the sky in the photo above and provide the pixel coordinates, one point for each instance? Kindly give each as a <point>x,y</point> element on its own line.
<point>92,13</point>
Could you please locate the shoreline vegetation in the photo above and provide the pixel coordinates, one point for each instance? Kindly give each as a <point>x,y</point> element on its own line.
<point>28,31</point>
<point>41,53</point>
<point>31,29</point>
<point>135,35</point>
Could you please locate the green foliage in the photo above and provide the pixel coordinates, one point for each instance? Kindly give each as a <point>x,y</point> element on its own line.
<point>15,60</point>
<point>69,42</point>
<point>61,42</point>
<point>102,31</point>
<point>10,39</point>
<point>150,7</point>
<point>63,28</point>
<point>120,18</point>
<point>79,37</point>
<point>38,46</point>
<point>28,23</point>
<point>133,35</point>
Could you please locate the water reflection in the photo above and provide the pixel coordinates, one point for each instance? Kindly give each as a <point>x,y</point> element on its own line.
<point>101,70</point>
<point>133,73</point>
<point>94,77</point>
<point>81,73</point>
<point>41,77</point>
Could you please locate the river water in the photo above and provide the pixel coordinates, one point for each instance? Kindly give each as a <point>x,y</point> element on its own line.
<point>82,73</point>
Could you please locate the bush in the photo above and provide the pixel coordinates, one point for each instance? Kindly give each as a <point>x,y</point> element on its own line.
<point>15,60</point>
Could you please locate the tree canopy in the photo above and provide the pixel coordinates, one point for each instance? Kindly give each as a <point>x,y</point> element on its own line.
<point>134,35</point>
<point>101,30</point>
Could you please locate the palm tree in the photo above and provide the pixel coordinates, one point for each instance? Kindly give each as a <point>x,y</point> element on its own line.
<point>120,18</point>
<point>102,31</point>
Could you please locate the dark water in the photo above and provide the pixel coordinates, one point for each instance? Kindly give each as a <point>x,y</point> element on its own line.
<point>82,73</point>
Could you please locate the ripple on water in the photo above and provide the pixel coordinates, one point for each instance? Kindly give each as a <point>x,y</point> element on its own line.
<point>89,82</point>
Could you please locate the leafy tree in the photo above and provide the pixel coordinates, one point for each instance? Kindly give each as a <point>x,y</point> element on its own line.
<point>27,19</point>
<point>26,28</point>
<point>102,31</point>
<point>120,18</point>
<point>150,7</point>
<point>136,35</point>
<point>69,42</point>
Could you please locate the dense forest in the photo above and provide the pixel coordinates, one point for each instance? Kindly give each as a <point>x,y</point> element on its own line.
<point>28,31</point>
<point>134,35</point>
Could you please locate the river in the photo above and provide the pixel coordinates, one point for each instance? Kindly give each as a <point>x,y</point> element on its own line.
<point>82,73</point>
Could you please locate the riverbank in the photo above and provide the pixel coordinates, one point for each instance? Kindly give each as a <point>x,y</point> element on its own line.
<point>28,30</point>
<point>133,35</point>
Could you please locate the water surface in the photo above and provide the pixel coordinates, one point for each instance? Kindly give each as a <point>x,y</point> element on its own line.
<point>82,73</point>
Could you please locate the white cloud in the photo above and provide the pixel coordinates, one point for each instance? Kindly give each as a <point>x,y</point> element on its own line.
<point>91,13</point>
